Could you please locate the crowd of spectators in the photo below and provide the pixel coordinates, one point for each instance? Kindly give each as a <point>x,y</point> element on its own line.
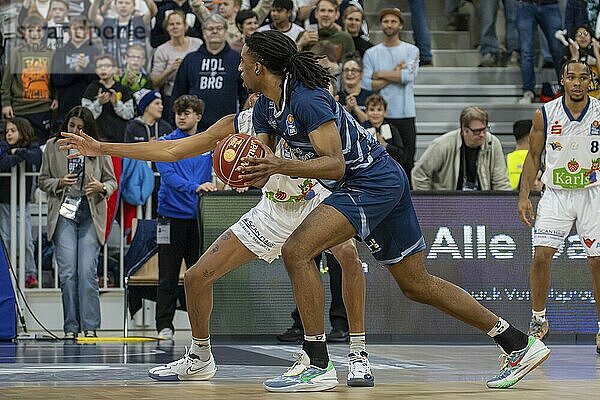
<point>116,67</point>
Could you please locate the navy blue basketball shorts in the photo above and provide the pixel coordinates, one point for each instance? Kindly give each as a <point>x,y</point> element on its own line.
<point>377,203</point>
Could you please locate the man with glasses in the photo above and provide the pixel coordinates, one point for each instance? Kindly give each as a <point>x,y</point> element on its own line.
<point>469,158</point>
<point>211,74</point>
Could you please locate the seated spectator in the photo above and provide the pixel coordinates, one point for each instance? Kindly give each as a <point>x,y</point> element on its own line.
<point>57,27</point>
<point>583,46</point>
<point>326,14</point>
<point>352,95</point>
<point>246,22</point>
<point>135,76</point>
<point>77,190</point>
<point>149,126</point>
<point>327,49</point>
<point>353,20</point>
<point>516,158</point>
<point>160,34</point>
<point>468,158</point>
<point>27,89</point>
<point>211,74</point>
<point>73,67</point>
<point>118,34</point>
<point>19,145</point>
<point>110,102</point>
<point>281,19</point>
<point>386,134</point>
<point>169,55</point>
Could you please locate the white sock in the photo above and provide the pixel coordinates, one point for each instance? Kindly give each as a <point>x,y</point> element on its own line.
<point>539,316</point>
<point>358,342</point>
<point>201,348</point>
<point>500,327</point>
<point>315,338</point>
<point>599,327</point>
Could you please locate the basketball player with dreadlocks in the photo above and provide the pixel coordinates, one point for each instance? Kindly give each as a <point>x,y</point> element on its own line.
<point>370,198</point>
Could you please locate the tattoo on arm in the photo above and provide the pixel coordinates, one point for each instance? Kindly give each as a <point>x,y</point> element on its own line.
<point>214,248</point>
<point>226,235</point>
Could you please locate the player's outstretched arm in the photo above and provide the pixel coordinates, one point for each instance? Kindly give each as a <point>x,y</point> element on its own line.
<point>162,150</point>
<point>531,166</point>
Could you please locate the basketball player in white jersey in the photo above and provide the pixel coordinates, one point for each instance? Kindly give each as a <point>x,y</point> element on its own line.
<point>260,234</point>
<point>568,130</point>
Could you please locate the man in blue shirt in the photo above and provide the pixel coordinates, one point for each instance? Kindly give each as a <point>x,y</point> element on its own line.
<point>370,198</point>
<point>180,184</point>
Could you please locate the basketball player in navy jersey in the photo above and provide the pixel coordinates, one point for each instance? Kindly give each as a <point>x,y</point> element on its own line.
<point>370,198</point>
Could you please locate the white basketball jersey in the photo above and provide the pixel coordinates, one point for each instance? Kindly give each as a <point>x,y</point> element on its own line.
<point>281,188</point>
<point>572,145</point>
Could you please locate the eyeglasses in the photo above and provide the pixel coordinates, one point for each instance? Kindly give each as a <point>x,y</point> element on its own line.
<point>478,131</point>
<point>582,33</point>
<point>214,28</point>
<point>353,70</point>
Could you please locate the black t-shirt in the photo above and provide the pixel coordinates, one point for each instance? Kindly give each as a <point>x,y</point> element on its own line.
<point>467,177</point>
<point>111,127</point>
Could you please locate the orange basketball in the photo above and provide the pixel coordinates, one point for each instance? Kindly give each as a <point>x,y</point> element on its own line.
<point>229,153</point>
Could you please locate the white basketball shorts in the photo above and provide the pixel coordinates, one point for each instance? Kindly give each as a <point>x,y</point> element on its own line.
<point>265,228</point>
<point>558,209</point>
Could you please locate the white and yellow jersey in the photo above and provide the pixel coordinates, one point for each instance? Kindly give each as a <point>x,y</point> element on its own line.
<point>281,188</point>
<point>572,145</point>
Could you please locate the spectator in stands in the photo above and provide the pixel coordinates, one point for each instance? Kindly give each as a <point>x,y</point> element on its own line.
<point>326,15</point>
<point>490,52</point>
<point>327,49</point>
<point>468,158</point>
<point>110,102</point>
<point>109,9</point>
<point>79,8</point>
<point>27,90</point>
<point>246,22</point>
<point>516,158</point>
<point>418,19</point>
<point>228,9</point>
<point>353,19</point>
<point>31,7</point>
<point>391,68</point>
<point>77,190</point>
<point>583,46</point>
<point>19,145</point>
<point>57,27</point>
<point>169,55</point>
<point>386,134</point>
<point>281,19</point>
<point>211,73</point>
<point>150,125</point>
<point>530,13</point>
<point>181,183</point>
<point>577,13</point>
<point>352,95</point>
<point>122,32</point>
<point>135,77</point>
<point>160,32</point>
<point>73,67</point>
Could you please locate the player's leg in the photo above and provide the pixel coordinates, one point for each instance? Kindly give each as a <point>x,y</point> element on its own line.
<point>353,292</point>
<point>539,281</point>
<point>224,255</point>
<point>556,212</point>
<point>322,229</point>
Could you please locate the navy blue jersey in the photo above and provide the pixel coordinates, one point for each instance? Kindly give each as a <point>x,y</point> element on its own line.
<point>307,110</point>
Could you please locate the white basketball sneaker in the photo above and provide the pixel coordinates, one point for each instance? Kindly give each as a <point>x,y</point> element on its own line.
<point>188,368</point>
<point>359,370</point>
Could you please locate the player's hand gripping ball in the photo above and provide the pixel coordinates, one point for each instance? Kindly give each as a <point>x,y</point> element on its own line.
<point>228,154</point>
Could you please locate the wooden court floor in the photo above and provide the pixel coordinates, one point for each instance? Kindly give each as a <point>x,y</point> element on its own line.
<point>56,370</point>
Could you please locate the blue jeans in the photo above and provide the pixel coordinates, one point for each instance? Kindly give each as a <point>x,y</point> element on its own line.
<point>30,268</point>
<point>528,17</point>
<point>76,248</point>
<point>420,29</point>
<point>489,13</point>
